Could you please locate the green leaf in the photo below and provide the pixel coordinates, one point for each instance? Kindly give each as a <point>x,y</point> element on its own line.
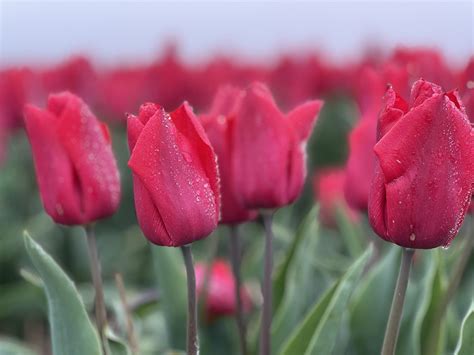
<point>12,347</point>
<point>169,271</point>
<point>371,305</point>
<point>72,332</point>
<point>302,270</point>
<point>281,273</point>
<point>466,337</point>
<point>116,344</point>
<point>318,332</point>
<point>350,232</point>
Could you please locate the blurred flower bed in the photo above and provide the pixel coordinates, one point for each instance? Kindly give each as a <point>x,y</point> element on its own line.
<point>317,238</point>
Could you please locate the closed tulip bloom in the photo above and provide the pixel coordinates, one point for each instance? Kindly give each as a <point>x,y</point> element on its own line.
<point>75,167</point>
<point>175,176</point>
<point>423,179</point>
<point>219,126</point>
<point>269,148</point>
<point>220,296</point>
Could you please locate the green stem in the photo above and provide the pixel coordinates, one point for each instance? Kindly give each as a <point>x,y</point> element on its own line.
<point>265,339</point>
<point>235,253</point>
<point>393,325</point>
<point>192,336</point>
<point>100,310</point>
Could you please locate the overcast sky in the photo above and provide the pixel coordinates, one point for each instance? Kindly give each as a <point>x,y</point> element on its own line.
<point>113,31</point>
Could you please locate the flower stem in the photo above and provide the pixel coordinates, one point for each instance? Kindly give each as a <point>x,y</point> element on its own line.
<point>393,325</point>
<point>192,341</point>
<point>235,255</point>
<point>132,339</point>
<point>100,311</point>
<point>265,341</point>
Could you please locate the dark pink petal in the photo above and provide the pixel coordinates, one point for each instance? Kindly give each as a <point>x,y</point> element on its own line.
<point>90,153</point>
<point>58,182</point>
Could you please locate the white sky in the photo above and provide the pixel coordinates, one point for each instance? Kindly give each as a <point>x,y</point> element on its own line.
<point>111,31</point>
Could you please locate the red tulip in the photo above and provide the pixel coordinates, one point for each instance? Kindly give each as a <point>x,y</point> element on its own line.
<point>76,75</point>
<point>361,161</point>
<point>75,166</point>
<point>219,125</point>
<point>423,180</point>
<point>17,86</point>
<point>175,176</point>
<point>220,299</point>
<point>328,186</point>
<point>269,148</point>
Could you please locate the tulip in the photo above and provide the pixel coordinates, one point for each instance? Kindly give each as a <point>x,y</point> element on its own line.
<point>361,161</point>
<point>329,191</point>
<point>269,148</point>
<point>176,186</point>
<point>76,74</point>
<point>219,125</point>
<point>75,166</point>
<point>219,297</point>
<point>175,176</point>
<point>423,179</point>
<point>269,165</point>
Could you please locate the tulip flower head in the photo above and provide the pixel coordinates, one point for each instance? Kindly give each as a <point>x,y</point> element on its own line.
<point>424,174</point>
<point>75,167</point>
<point>269,148</point>
<point>220,297</point>
<point>219,124</point>
<point>175,175</point>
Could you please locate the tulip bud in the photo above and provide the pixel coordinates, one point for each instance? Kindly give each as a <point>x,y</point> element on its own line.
<point>269,148</point>
<point>424,174</point>
<point>220,294</point>
<point>175,176</point>
<point>75,167</point>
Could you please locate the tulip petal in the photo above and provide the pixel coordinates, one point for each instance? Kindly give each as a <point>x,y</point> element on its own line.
<point>90,153</point>
<point>61,196</point>
<point>303,118</point>
<point>262,147</point>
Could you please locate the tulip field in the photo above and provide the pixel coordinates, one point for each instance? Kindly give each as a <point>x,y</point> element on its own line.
<point>228,206</point>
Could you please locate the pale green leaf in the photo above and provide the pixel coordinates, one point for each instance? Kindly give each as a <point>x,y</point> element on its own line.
<point>72,332</point>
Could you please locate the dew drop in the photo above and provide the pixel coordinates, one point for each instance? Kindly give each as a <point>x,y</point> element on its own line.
<point>412,237</point>
<point>59,209</point>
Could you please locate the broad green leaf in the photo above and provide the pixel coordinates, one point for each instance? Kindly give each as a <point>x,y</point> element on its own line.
<point>466,337</point>
<point>169,270</point>
<point>318,332</point>
<point>72,332</point>
<point>12,347</point>
<point>282,271</point>
<point>371,305</point>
